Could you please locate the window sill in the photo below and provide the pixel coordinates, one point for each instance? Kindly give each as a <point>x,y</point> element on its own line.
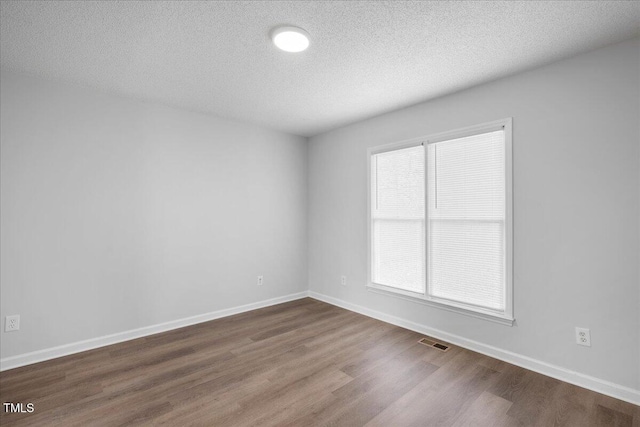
<point>414,297</point>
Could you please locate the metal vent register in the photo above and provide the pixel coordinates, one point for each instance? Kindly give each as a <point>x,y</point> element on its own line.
<point>434,344</point>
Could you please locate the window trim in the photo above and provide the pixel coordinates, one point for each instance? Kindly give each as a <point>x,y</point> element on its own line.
<point>506,317</point>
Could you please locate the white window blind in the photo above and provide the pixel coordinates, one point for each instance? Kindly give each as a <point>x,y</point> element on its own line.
<point>441,220</point>
<point>466,220</point>
<point>398,219</point>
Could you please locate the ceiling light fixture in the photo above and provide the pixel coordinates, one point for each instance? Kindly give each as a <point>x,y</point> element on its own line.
<point>290,39</point>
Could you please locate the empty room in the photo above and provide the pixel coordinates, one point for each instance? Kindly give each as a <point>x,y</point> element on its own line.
<point>310,213</point>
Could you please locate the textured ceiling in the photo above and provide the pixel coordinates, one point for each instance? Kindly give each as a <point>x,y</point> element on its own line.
<point>365,58</point>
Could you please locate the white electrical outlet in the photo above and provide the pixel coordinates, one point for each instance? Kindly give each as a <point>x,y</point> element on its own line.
<point>583,337</point>
<point>260,280</point>
<point>343,280</point>
<point>12,323</point>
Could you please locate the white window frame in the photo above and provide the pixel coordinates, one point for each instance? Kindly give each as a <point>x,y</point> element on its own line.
<point>505,317</point>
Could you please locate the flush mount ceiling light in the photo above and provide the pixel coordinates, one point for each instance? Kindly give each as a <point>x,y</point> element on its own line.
<point>290,39</point>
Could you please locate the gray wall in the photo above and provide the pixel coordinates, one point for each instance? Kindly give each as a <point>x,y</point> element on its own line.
<point>118,214</point>
<point>576,142</point>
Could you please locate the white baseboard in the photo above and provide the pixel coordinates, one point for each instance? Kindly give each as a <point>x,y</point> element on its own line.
<point>601,386</point>
<point>77,347</point>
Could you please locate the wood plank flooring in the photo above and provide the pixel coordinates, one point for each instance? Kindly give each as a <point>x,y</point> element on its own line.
<point>302,363</point>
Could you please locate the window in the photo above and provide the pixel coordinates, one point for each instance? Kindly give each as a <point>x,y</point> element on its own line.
<point>440,220</point>
<point>398,218</point>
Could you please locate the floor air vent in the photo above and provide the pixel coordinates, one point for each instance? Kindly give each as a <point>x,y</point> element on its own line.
<point>434,344</point>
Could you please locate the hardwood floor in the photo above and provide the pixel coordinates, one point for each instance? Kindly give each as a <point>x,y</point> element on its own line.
<point>301,363</point>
